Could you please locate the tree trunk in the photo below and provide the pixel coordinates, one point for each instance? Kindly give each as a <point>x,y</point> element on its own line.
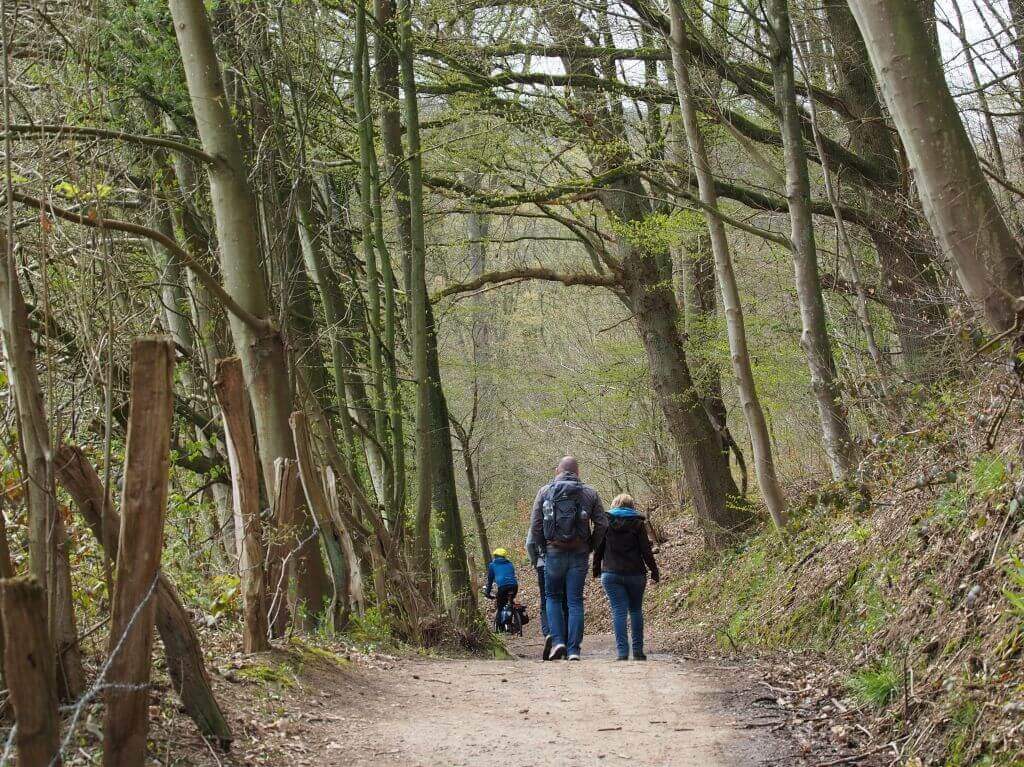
<point>814,337</point>
<point>473,486</point>
<point>263,356</point>
<point>445,491</point>
<point>719,507</point>
<point>419,306</point>
<point>1017,17</point>
<point>31,678</point>
<point>375,253</point>
<point>185,663</point>
<point>140,544</point>
<point>387,71</point>
<point>757,427</point>
<point>48,555</point>
<point>234,406</point>
<point>349,385</point>
<point>957,200</point>
<point>695,293</point>
<point>908,270</point>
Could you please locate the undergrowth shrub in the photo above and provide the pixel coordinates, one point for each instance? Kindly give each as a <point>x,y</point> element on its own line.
<point>877,684</point>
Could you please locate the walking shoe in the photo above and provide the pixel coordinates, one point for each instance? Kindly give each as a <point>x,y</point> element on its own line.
<point>623,657</point>
<point>557,652</point>
<point>574,657</point>
<point>639,656</point>
<point>547,647</point>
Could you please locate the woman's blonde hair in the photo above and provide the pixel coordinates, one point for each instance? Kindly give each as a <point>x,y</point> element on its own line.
<point>623,501</point>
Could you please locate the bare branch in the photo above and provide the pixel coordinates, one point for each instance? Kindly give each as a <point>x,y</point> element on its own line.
<point>258,324</point>
<point>40,131</point>
<point>527,273</point>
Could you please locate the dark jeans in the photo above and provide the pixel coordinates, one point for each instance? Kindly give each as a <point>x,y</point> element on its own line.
<point>565,572</point>
<point>545,627</point>
<point>626,594</point>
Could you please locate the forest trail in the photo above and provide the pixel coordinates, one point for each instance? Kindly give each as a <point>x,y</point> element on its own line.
<point>524,712</point>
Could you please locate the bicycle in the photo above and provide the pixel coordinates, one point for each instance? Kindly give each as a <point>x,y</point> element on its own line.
<point>509,619</point>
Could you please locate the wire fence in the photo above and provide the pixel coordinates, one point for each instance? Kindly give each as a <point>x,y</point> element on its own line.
<point>99,686</point>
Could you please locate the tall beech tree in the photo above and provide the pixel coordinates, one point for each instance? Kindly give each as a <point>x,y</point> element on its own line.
<point>955,195</point>
<point>757,426</point>
<point>256,339</point>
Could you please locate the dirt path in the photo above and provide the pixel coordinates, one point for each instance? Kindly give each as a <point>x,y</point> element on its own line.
<point>524,713</point>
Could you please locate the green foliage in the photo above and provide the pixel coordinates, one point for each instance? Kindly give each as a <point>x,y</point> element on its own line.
<point>1014,589</point>
<point>657,232</point>
<point>877,684</point>
<point>988,474</point>
<point>951,506</point>
<point>309,651</point>
<point>962,722</point>
<point>371,629</point>
<point>277,674</point>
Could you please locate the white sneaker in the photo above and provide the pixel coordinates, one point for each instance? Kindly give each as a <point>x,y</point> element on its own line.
<point>557,652</point>
<point>574,657</point>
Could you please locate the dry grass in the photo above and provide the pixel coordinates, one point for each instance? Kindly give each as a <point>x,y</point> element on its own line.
<point>903,595</point>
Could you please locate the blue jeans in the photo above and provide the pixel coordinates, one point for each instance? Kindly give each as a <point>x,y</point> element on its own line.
<point>545,629</point>
<point>565,572</point>
<point>626,594</point>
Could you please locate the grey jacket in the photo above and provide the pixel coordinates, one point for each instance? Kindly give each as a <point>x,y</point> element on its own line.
<point>533,549</point>
<point>590,502</point>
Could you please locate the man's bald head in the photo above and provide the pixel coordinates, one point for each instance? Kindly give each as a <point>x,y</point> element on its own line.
<point>569,465</point>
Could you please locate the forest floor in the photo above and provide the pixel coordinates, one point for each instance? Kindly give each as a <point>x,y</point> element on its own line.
<point>382,710</point>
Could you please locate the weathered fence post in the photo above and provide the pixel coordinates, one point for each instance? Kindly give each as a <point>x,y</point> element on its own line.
<point>282,541</point>
<point>143,505</point>
<point>316,498</point>
<point>185,663</point>
<point>6,571</point>
<point>31,676</point>
<point>354,582</point>
<point>245,483</point>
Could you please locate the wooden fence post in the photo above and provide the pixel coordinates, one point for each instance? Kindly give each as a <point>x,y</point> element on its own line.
<point>31,676</point>
<point>185,663</point>
<point>6,571</point>
<point>143,506</point>
<point>356,592</point>
<point>241,443</point>
<point>316,498</point>
<point>282,541</point>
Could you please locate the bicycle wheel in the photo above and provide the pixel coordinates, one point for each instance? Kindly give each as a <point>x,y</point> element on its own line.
<point>515,624</point>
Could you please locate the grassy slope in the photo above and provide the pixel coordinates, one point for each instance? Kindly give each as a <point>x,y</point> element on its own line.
<point>909,587</point>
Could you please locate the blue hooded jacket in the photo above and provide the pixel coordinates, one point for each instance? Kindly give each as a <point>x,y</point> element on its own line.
<point>500,572</point>
<point>624,512</point>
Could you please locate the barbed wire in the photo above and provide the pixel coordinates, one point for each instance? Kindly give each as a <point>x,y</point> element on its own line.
<point>97,687</point>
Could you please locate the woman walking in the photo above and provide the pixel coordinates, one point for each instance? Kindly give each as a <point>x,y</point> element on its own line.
<point>621,561</point>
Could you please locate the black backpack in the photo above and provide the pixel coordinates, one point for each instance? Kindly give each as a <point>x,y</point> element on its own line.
<point>565,520</point>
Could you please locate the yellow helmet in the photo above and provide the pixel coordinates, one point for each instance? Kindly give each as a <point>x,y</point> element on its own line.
<point>500,553</point>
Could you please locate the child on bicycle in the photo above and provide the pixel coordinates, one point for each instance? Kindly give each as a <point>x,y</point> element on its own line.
<point>501,573</point>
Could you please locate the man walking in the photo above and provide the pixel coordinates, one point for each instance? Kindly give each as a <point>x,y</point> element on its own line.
<point>567,522</point>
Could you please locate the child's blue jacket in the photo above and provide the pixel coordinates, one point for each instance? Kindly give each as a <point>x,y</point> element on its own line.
<point>501,572</point>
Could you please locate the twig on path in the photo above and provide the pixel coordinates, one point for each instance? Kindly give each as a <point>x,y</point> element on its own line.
<point>427,679</point>
<point>608,729</point>
<point>855,757</point>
